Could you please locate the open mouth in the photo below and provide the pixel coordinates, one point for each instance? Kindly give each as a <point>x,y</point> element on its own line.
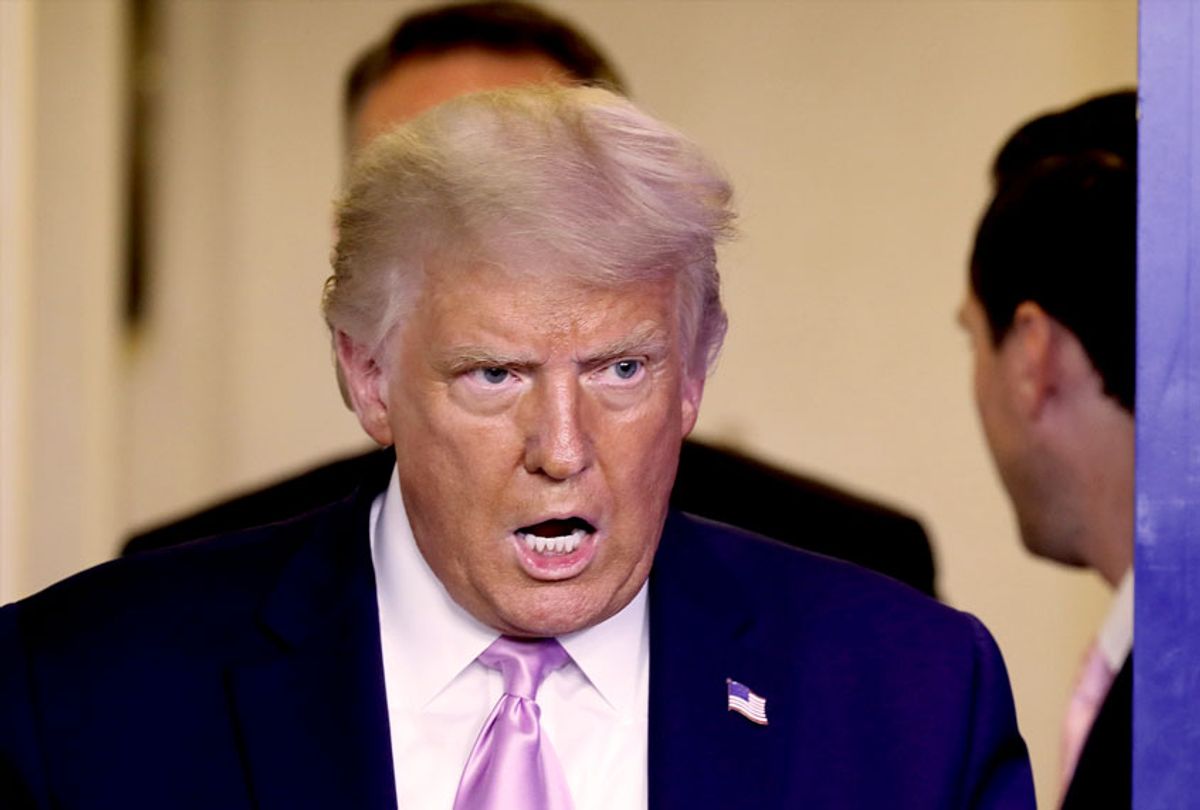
<point>556,536</point>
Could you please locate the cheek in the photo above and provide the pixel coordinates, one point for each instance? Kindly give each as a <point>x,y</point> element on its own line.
<point>982,402</point>
<point>434,420</point>
<point>994,418</point>
<point>643,450</point>
<point>457,464</point>
<point>977,386</point>
<point>981,376</point>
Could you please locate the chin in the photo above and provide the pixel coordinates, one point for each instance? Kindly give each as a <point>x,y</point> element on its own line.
<point>554,614</point>
<point>1048,547</point>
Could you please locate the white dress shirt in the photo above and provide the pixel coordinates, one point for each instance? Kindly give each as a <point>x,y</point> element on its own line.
<point>1115,639</point>
<point>593,710</point>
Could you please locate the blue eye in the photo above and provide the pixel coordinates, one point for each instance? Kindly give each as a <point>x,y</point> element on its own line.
<point>493,375</point>
<point>627,369</point>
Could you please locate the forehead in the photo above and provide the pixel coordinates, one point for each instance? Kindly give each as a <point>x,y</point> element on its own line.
<point>422,81</point>
<point>491,302</point>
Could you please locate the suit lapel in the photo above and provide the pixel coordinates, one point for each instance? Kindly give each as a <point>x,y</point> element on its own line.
<point>313,717</point>
<point>702,633</point>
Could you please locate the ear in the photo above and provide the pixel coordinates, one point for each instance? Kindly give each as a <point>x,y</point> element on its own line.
<point>1044,361</point>
<point>693,391</point>
<point>1025,356</point>
<point>365,385</point>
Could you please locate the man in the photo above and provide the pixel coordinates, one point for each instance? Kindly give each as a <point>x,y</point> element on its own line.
<point>1050,312</point>
<point>525,301</point>
<point>435,55</point>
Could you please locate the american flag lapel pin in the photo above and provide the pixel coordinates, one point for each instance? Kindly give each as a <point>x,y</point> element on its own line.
<point>743,701</point>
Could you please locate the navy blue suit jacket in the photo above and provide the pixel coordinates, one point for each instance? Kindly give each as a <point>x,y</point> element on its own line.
<point>245,671</point>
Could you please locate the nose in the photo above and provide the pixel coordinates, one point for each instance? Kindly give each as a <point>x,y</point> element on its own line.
<point>557,443</point>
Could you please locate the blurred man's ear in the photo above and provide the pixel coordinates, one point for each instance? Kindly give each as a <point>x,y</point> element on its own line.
<point>1046,363</point>
<point>364,385</point>
<point>1025,357</point>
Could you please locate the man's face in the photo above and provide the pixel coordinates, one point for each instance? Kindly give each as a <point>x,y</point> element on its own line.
<point>420,82</point>
<point>537,424</point>
<point>1019,460</point>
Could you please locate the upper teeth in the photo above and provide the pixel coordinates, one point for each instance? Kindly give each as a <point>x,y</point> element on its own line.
<point>557,545</point>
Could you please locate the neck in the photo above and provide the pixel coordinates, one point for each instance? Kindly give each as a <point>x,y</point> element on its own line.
<point>1109,501</point>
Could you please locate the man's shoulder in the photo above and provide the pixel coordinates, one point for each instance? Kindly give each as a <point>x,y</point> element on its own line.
<point>284,499</point>
<point>860,672</point>
<point>729,486</point>
<point>798,591</point>
<point>196,595</point>
<point>146,676</point>
<point>747,556</point>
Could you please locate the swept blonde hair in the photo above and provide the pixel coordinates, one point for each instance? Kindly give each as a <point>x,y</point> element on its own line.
<point>577,174</point>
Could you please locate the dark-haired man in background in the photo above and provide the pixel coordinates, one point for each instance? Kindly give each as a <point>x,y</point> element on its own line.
<point>1050,312</point>
<point>437,54</point>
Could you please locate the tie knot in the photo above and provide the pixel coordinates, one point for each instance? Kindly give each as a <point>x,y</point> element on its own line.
<point>524,663</point>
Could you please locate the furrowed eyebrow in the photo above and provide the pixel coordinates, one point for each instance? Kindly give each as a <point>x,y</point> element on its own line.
<point>647,339</point>
<point>464,358</point>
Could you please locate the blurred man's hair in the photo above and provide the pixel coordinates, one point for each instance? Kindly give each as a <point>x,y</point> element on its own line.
<point>1060,231</point>
<point>502,26</point>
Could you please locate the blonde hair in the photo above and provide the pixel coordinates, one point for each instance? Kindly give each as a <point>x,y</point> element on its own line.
<point>573,173</point>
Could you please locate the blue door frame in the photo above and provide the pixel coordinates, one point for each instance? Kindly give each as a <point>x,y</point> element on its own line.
<point>1166,699</point>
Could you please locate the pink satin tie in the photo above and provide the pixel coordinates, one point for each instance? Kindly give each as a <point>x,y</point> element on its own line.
<point>512,767</point>
<point>1095,679</point>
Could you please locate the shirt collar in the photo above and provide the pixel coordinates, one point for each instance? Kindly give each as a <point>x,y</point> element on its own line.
<point>418,616</point>
<point>426,625</point>
<point>1116,634</point>
<point>604,652</point>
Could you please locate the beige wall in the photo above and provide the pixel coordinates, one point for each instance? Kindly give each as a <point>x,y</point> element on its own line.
<point>16,275</point>
<point>857,135</point>
<point>62,461</point>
